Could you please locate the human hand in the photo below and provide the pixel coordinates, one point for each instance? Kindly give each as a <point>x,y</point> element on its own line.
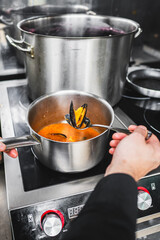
<point>118,136</point>
<point>12,153</point>
<point>132,154</point>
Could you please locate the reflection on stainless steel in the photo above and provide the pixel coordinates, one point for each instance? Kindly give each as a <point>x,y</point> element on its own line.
<point>150,104</point>
<point>9,67</point>
<point>24,101</point>
<point>135,98</point>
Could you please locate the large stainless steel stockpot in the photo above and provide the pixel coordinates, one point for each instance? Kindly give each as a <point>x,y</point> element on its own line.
<point>65,156</point>
<point>91,63</point>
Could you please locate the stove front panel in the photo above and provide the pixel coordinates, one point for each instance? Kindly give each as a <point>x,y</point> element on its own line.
<point>30,223</point>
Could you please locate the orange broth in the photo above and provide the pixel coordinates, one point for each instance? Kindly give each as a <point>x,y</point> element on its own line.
<point>73,135</point>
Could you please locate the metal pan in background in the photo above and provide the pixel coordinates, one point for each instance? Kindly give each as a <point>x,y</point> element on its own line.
<point>145,81</point>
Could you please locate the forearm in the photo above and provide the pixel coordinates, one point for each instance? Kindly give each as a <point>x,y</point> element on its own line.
<point>110,211</point>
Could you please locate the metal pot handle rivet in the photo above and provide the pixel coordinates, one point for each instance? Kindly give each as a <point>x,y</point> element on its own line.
<point>15,43</point>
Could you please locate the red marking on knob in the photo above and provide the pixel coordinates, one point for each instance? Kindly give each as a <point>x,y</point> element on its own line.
<point>143,189</point>
<point>58,213</point>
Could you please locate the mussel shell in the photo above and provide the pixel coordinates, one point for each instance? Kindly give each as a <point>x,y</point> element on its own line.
<point>67,118</point>
<point>73,117</point>
<point>59,134</point>
<point>86,122</point>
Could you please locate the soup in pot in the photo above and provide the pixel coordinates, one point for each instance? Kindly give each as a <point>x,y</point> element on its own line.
<point>63,132</point>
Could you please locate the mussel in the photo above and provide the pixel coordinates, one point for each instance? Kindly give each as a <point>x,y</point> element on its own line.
<point>77,118</point>
<point>56,136</point>
<point>59,134</point>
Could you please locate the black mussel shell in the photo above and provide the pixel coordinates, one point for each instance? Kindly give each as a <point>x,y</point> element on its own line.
<point>86,122</point>
<point>72,115</point>
<point>67,118</point>
<point>71,118</point>
<point>59,134</point>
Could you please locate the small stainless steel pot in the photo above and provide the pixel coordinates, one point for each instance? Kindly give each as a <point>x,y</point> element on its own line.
<point>92,63</point>
<point>63,156</point>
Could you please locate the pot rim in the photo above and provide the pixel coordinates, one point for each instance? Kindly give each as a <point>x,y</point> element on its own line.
<point>132,22</point>
<point>41,98</point>
<point>26,9</point>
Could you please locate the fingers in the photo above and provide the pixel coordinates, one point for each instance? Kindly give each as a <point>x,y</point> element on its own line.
<point>132,128</point>
<point>12,153</point>
<point>111,151</point>
<point>142,130</point>
<point>118,136</point>
<point>114,143</point>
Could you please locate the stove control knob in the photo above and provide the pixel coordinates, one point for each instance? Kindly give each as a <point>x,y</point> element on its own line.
<point>52,222</point>
<point>144,199</point>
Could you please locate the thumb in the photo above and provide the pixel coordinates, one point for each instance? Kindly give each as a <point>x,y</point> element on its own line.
<point>142,130</point>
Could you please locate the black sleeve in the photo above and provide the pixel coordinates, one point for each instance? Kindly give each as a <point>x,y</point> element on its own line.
<point>110,212</point>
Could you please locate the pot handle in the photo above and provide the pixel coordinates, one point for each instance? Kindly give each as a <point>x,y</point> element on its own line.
<point>138,32</point>
<point>6,21</point>
<point>15,43</point>
<point>15,142</point>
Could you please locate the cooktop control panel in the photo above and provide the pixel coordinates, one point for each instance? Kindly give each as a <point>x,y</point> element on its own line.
<point>46,220</point>
<point>148,201</point>
<point>51,219</point>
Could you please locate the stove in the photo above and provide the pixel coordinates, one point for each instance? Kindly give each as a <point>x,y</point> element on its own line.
<point>34,191</point>
<point>32,188</point>
<point>36,195</point>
